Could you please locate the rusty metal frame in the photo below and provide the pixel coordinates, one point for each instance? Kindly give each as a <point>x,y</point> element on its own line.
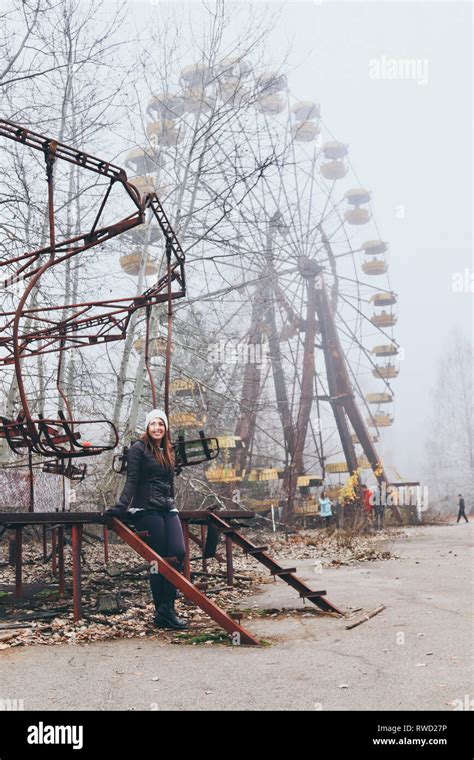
<point>77,521</point>
<point>53,332</point>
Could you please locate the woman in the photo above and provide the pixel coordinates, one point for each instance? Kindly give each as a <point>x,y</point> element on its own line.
<point>148,498</point>
<point>325,509</point>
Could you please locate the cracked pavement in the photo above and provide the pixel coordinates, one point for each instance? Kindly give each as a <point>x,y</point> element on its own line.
<point>415,655</point>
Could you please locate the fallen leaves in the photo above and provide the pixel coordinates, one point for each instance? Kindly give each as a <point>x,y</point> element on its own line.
<point>331,550</point>
<point>7,636</point>
<point>116,600</point>
<point>116,597</point>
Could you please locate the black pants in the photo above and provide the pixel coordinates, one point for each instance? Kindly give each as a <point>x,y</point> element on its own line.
<point>166,538</point>
<point>462,513</point>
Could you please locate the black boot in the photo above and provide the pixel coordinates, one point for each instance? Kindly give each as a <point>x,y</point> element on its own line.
<point>166,617</point>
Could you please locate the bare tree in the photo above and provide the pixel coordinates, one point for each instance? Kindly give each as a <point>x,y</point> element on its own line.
<point>84,78</point>
<point>195,130</point>
<point>450,445</point>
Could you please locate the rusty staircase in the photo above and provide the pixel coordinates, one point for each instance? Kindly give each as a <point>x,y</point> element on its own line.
<point>286,574</point>
<point>137,541</point>
<point>239,635</point>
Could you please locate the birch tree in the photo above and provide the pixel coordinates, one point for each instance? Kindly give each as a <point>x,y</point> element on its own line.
<point>450,445</point>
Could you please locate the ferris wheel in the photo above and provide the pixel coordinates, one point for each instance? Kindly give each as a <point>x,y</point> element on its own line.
<point>322,302</point>
<point>297,268</point>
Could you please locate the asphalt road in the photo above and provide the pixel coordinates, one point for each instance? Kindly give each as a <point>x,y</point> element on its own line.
<point>415,655</point>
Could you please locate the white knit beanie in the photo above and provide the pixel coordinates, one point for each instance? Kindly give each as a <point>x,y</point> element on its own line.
<point>153,415</point>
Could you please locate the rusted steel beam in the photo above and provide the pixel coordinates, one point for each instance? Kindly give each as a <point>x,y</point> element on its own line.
<point>339,384</point>
<point>101,236</point>
<point>61,574</point>
<point>53,551</point>
<point>115,317</point>
<point>56,518</point>
<point>31,506</point>
<point>76,570</point>
<point>154,203</point>
<point>239,634</point>
<point>18,562</point>
<point>340,387</point>
<point>52,518</point>
<point>34,140</point>
<point>199,543</point>
<point>92,163</point>
<point>45,543</point>
<point>308,372</point>
<point>308,270</point>
<point>203,541</point>
<point>229,561</point>
<point>106,545</point>
<point>229,514</point>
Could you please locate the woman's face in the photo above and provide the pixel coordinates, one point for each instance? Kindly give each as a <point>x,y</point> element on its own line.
<point>157,429</point>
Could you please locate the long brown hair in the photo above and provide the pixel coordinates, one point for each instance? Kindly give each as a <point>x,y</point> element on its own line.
<point>163,451</point>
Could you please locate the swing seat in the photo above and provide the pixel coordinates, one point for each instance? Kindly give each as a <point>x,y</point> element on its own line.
<point>68,470</point>
<point>55,438</point>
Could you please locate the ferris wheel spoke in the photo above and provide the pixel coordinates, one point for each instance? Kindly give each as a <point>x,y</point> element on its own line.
<point>210,295</point>
<point>282,189</point>
<point>298,197</point>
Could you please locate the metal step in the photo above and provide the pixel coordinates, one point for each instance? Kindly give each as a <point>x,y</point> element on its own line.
<point>285,571</point>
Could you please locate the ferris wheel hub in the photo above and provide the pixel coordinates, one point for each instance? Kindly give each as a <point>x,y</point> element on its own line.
<point>307,267</point>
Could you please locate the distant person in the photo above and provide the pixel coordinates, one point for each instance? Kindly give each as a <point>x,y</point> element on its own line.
<point>379,512</point>
<point>325,509</point>
<point>374,501</point>
<point>462,512</point>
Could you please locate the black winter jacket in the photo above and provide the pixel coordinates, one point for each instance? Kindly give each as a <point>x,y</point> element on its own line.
<point>149,485</point>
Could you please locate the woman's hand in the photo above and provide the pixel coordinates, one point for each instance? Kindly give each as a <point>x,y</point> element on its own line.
<point>115,512</point>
